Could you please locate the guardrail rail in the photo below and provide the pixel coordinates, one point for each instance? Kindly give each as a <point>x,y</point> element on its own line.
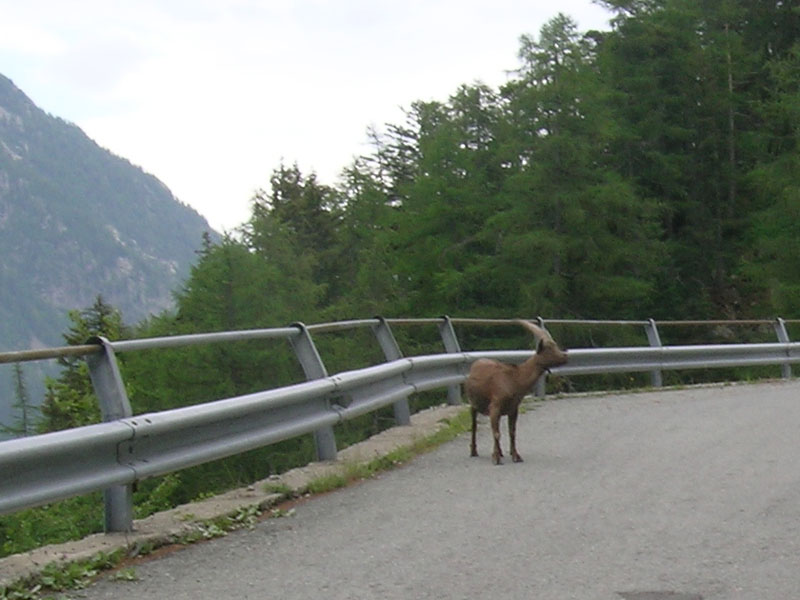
<point>113,455</point>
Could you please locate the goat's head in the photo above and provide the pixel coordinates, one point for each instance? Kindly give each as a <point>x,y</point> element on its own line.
<point>547,351</point>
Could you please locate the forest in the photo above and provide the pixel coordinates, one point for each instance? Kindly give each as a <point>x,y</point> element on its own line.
<point>646,171</point>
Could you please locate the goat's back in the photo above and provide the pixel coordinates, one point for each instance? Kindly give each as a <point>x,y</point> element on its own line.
<point>489,379</point>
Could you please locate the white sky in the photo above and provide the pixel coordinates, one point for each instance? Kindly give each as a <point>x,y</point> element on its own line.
<point>210,95</point>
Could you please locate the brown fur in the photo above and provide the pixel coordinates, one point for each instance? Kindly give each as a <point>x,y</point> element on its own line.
<point>496,389</point>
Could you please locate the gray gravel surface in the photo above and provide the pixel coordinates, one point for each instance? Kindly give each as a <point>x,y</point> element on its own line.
<point>675,495</point>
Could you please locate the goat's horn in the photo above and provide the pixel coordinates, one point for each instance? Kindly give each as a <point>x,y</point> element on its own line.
<point>537,331</point>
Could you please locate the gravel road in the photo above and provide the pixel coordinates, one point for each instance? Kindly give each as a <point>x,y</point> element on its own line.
<point>675,495</point>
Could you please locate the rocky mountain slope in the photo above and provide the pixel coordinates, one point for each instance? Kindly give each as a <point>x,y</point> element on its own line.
<point>77,221</point>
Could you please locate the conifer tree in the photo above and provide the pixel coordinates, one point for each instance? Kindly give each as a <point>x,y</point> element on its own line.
<point>25,423</point>
<point>70,400</point>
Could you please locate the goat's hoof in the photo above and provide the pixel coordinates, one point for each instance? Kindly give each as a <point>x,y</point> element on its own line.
<point>518,458</point>
<point>473,453</point>
<point>497,460</point>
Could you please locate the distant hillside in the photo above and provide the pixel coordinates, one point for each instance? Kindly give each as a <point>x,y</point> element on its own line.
<point>77,221</point>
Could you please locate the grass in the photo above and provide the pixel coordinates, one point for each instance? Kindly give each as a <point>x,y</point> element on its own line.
<point>126,574</point>
<point>359,471</point>
<point>61,578</point>
<point>277,488</point>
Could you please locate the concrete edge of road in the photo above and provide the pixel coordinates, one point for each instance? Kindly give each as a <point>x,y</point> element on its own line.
<point>179,523</point>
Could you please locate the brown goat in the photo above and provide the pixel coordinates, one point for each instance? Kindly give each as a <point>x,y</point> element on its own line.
<point>496,388</point>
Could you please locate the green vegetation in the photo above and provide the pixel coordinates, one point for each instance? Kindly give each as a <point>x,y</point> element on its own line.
<point>27,412</point>
<point>61,578</point>
<point>646,171</point>
<point>358,471</point>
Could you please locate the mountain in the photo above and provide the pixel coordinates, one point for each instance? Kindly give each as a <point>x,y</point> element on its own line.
<point>77,221</point>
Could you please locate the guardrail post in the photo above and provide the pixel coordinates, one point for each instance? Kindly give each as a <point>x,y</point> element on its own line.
<point>114,405</point>
<point>385,337</point>
<point>655,341</point>
<point>451,346</point>
<point>783,338</point>
<point>314,368</point>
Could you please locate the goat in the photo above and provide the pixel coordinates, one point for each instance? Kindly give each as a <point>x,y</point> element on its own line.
<point>495,389</point>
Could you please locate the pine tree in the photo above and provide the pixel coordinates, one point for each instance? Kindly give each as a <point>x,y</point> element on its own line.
<point>307,215</point>
<point>25,423</point>
<point>575,238</point>
<point>70,400</point>
<point>683,75</point>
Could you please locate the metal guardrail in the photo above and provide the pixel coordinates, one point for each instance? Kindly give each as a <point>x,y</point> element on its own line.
<point>126,448</point>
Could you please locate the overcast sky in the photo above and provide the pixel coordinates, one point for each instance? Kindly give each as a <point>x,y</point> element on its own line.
<point>210,95</point>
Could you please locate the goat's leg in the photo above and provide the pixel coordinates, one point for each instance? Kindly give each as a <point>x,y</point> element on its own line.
<point>473,448</point>
<point>494,419</point>
<point>512,434</point>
